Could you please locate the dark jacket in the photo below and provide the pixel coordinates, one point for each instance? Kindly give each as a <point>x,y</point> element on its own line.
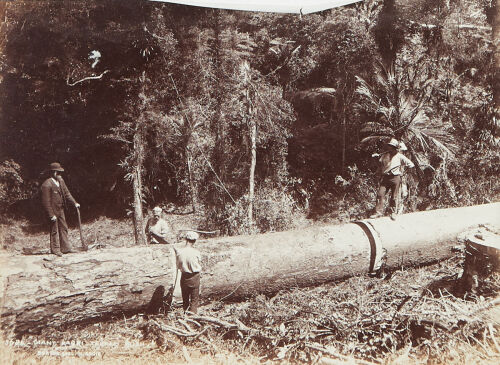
<point>54,198</point>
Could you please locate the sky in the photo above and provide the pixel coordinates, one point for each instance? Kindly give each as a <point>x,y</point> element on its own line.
<point>278,6</point>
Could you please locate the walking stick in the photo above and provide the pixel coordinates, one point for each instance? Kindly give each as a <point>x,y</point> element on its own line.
<point>84,245</point>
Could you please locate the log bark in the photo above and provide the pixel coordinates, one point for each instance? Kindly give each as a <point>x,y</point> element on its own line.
<point>424,237</point>
<point>46,290</point>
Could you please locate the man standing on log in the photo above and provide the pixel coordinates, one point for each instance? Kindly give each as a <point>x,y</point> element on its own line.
<point>157,228</point>
<point>189,263</point>
<point>403,191</point>
<point>55,195</point>
<point>390,169</point>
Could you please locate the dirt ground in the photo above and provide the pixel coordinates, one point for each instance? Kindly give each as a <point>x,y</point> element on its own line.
<point>22,236</point>
<point>409,316</point>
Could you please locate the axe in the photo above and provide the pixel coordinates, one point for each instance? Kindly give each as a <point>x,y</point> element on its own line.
<point>169,298</point>
<point>84,245</point>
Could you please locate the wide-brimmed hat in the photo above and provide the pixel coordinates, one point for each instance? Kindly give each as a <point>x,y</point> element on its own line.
<point>192,236</point>
<point>55,166</point>
<point>393,142</point>
<point>402,146</point>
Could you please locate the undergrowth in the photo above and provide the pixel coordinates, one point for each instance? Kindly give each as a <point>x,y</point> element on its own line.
<point>412,316</point>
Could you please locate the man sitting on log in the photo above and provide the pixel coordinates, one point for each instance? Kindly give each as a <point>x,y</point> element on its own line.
<point>55,195</point>
<point>157,228</point>
<point>390,169</point>
<point>189,263</point>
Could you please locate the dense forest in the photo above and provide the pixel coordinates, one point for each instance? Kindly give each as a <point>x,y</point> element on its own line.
<point>250,118</point>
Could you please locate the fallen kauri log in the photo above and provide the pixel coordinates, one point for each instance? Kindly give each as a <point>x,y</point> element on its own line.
<point>46,290</point>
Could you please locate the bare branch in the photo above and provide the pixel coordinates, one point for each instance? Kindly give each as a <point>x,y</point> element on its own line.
<point>86,78</point>
<point>239,325</point>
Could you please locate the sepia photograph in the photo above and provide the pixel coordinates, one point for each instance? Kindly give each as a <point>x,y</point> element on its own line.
<point>223,182</point>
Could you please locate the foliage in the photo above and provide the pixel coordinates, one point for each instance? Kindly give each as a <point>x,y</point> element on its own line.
<point>431,100</point>
<point>347,198</point>
<point>400,103</point>
<point>12,185</point>
<point>274,210</point>
<point>422,71</point>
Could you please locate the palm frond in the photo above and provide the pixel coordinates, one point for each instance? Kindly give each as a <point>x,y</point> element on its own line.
<point>374,128</point>
<point>400,99</point>
<point>428,137</point>
<point>375,138</point>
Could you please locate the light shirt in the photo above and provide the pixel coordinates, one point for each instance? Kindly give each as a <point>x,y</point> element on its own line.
<point>55,182</point>
<point>160,228</point>
<point>188,259</point>
<point>392,166</point>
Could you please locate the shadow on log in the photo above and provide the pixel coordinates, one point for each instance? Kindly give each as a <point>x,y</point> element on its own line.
<point>156,302</point>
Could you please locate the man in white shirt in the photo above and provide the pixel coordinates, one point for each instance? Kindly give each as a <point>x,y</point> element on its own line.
<point>157,228</point>
<point>188,261</point>
<point>391,163</point>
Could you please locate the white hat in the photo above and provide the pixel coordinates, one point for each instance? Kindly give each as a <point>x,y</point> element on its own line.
<point>157,209</point>
<point>393,142</point>
<point>192,236</point>
<point>402,146</point>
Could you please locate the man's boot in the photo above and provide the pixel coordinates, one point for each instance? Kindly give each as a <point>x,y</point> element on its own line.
<point>71,250</point>
<point>394,213</point>
<point>55,248</point>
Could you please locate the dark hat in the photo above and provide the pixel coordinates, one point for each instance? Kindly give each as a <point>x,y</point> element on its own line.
<point>55,166</point>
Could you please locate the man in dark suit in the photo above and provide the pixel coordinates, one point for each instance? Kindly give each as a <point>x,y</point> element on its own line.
<point>55,195</point>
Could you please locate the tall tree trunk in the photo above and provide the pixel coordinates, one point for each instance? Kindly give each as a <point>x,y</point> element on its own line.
<point>253,162</point>
<point>343,142</point>
<point>191,179</point>
<point>253,138</point>
<point>138,164</point>
<point>217,123</point>
<point>496,38</point>
<point>140,235</point>
<point>387,37</point>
